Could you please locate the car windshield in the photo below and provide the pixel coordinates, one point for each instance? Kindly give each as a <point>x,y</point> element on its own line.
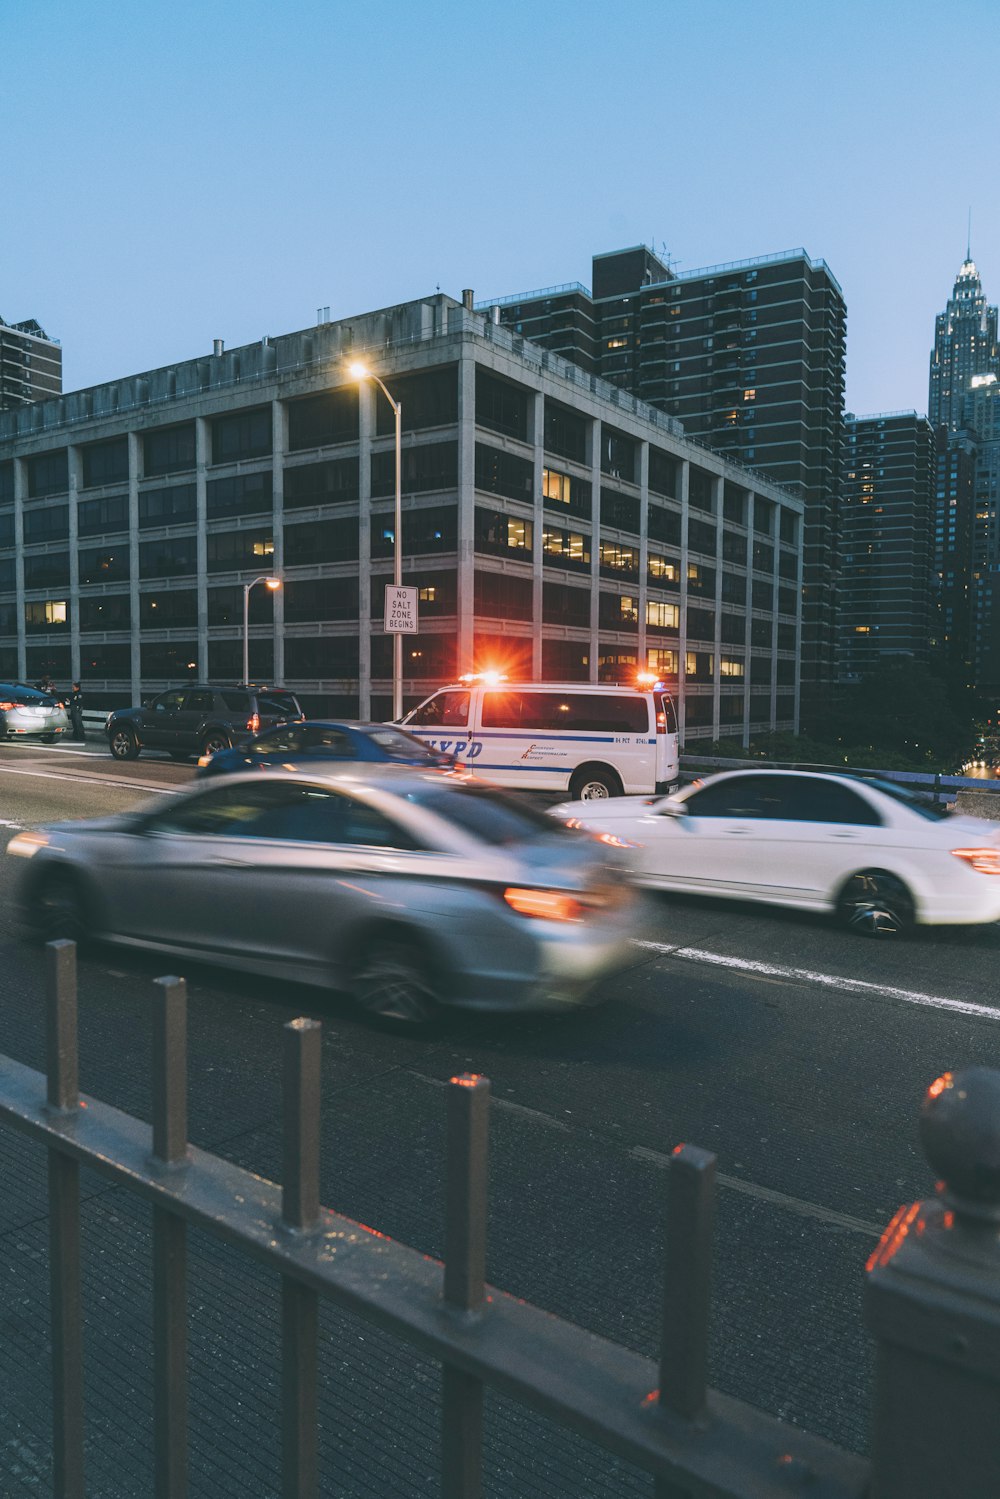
<point>491,815</point>
<point>917,801</point>
<point>400,746</point>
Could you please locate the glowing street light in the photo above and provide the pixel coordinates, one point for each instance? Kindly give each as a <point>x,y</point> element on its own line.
<point>272,583</point>
<point>361,372</point>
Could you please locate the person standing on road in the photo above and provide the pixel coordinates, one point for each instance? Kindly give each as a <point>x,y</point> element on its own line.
<point>76,712</point>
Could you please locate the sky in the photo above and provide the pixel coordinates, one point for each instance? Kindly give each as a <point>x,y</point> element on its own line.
<point>172,173</point>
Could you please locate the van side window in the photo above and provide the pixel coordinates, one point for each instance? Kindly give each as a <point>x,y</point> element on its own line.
<point>502,710</point>
<point>446,710</point>
<point>574,712</point>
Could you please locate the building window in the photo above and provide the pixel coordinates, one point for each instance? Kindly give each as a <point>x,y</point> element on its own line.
<point>243,434</point>
<point>661,616</point>
<point>45,614</point>
<point>105,463</point>
<point>169,451</point>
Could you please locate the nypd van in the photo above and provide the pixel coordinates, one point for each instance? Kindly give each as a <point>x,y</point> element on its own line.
<point>592,741</point>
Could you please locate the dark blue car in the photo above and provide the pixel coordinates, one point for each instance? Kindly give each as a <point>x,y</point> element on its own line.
<point>306,742</point>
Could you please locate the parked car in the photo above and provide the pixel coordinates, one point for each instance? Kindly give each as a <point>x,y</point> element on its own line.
<point>308,742</point>
<point>405,889</point>
<point>26,713</point>
<point>198,719</point>
<point>878,856</point>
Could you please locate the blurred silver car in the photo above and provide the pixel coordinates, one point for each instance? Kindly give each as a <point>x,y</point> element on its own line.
<point>26,713</point>
<point>410,892</point>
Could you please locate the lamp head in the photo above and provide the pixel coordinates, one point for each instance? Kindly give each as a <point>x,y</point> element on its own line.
<point>273,583</point>
<point>358,371</point>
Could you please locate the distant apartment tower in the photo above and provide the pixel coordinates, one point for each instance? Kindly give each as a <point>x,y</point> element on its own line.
<point>30,364</point>
<point>749,356</point>
<point>888,475</point>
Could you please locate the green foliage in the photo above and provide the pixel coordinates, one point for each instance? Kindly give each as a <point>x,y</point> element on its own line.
<point>901,717</point>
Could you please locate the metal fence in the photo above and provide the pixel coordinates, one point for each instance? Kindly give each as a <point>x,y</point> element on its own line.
<point>933,1292</point>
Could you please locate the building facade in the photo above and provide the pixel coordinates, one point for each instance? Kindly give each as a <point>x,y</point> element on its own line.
<point>555,527</point>
<point>965,345</point>
<point>749,356</point>
<point>30,364</point>
<point>888,481</point>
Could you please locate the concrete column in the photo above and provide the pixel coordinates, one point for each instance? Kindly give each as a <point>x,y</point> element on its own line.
<point>202,457</point>
<point>536,435</point>
<point>466,509</point>
<point>366,417</point>
<point>74,463</point>
<point>594,460</point>
<point>747,641</point>
<point>643,552</point>
<point>135,654</point>
<point>279,443</point>
<point>20,495</point>
<point>683,489</point>
<point>717,647</point>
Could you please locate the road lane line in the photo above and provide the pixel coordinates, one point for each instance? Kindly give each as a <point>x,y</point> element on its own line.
<point>776,1199</point>
<point>661,1159</point>
<point>827,980</point>
<point>84,780</point>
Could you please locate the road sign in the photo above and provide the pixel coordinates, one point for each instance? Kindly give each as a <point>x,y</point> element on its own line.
<point>400,610</point>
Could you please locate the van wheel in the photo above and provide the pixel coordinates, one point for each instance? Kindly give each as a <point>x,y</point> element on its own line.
<point>594,783</point>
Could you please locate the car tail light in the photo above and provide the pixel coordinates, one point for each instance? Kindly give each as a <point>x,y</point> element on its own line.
<point>661,722</point>
<point>986,860</point>
<point>7,707</point>
<point>253,723</point>
<point>550,905</point>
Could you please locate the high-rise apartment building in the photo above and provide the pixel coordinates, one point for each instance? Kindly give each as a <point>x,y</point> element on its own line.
<point>30,364</point>
<point>953,511</point>
<point>554,526</point>
<point>749,356</point>
<point>888,475</point>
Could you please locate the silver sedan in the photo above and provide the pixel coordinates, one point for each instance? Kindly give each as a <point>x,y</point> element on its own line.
<point>26,713</point>
<point>407,891</point>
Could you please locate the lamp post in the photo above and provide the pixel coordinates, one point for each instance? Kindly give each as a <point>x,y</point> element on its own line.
<point>362,372</point>
<point>272,583</point>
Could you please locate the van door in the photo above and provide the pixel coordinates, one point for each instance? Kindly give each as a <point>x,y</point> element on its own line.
<point>444,722</point>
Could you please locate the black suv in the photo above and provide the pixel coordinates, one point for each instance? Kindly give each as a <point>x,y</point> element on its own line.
<point>198,720</point>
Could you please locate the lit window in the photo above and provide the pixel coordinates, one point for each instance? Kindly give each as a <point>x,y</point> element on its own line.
<point>617,343</point>
<point>555,486</point>
<point>750,394</point>
<point>427,595</point>
<point>663,616</point>
<point>660,567</point>
<point>664,663</point>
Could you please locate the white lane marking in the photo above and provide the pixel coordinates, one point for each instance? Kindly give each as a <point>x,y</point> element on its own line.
<point>768,1194</point>
<point>84,780</point>
<point>827,980</point>
<point>662,1159</point>
<point>5,824</point>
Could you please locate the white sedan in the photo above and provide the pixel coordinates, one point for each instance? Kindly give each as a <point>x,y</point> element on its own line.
<point>876,855</point>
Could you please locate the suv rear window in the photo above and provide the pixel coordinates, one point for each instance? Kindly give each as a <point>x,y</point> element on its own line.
<point>281,704</point>
<point>238,702</point>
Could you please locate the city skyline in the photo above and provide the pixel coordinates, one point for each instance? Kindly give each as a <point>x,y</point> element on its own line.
<point>236,169</point>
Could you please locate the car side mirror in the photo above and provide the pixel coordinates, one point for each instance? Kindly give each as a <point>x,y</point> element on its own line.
<point>671,806</point>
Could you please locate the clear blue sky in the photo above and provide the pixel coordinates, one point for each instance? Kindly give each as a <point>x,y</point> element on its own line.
<point>184,170</point>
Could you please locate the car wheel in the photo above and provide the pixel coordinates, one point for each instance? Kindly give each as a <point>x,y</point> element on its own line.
<point>594,783</point>
<point>876,904</point>
<point>123,744</point>
<point>393,987</point>
<point>213,743</point>
<point>60,909</point>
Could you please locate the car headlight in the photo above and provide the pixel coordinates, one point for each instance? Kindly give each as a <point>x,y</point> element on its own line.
<point>23,845</point>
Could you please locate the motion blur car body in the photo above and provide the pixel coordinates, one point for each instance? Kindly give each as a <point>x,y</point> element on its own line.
<point>199,719</point>
<point>309,742</point>
<point>409,891</point>
<point>26,713</point>
<point>876,855</point>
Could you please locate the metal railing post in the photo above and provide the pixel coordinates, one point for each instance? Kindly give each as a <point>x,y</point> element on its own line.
<point>302,1065</point>
<point>932,1300</point>
<point>62,1097</point>
<point>464,1276</point>
<point>170,1392</point>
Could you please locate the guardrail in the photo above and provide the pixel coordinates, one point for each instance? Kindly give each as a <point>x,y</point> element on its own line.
<point>933,1292</point>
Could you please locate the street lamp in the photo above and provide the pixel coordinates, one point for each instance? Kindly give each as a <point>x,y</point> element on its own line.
<point>362,372</point>
<point>271,583</point>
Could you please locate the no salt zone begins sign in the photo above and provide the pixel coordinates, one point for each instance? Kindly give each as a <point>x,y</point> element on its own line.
<point>400,610</point>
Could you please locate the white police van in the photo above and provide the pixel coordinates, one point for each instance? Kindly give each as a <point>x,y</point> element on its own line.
<point>592,741</point>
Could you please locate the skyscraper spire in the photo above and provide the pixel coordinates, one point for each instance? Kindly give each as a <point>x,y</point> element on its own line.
<point>968,239</point>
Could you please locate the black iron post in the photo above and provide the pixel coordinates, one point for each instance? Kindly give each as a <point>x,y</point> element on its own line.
<point>933,1304</point>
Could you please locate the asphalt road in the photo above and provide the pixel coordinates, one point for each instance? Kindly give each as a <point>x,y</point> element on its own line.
<point>796,1052</point>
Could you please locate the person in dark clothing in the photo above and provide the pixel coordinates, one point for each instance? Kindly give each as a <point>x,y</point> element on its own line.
<point>46,685</point>
<point>76,712</point>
